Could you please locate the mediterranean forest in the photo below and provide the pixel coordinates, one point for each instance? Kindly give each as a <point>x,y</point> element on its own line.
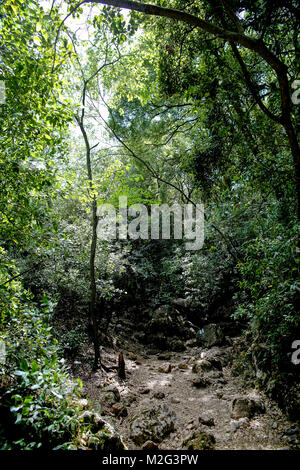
<point>149,226</point>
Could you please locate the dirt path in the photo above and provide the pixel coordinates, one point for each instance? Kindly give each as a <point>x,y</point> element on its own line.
<point>168,378</point>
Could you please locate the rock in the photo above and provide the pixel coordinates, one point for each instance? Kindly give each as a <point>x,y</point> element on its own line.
<point>215,363</point>
<point>110,395</point>
<point>94,421</point>
<point>215,374</point>
<point>166,330</point>
<point>176,344</point>
<point>293,440</point>
<point>119,410</point>
<point>200,381</point>
<point>292,430</point>
<point>221,381</point>
<point>246,407</point>
<point>149,445</point>
<point>130,398</point>
<point>106,440</point>
<point>132,357</point>
<point>212,336</point>
<point>242,408</point>
<point>205,365</point>
<point>166,369</point>
<point>164,356</point>
<point>182,366</point>
<point>175,400</point>
<point>258,403</point>
<point>159,395</point>
<point>153,423</point>
<point>144,390</point>
<point>190,343</point>
<point>236,424</point>
<point>199,441</point>
<point>206,419</point>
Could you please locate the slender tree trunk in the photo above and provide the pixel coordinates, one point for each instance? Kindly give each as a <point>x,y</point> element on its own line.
<point>92,306</point>
<point>94,223</point>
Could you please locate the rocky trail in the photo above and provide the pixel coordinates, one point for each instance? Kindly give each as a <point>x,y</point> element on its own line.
<point>184,400</point>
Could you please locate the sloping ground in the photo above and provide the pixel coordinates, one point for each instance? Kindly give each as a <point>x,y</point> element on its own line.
<point>198,391</point>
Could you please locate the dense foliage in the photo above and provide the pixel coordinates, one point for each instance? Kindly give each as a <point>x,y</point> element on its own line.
<point>161,112</point>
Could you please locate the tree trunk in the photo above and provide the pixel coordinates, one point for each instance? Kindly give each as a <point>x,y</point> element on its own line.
<point>92,302</point>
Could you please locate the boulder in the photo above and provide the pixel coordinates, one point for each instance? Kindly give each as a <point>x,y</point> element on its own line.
<point>93,420</point>
<point>236,424</point>
<point>206,365</point>
<point>200,381</point>
<point>109,396</point>
<point>247,407</point>
<point>206,419</point>
<point>176,344</point>
<point>107,439</point>
<point>166,369</point>
<point>119,410</point>
<point>152,423</point>
<point>166,330</point>
<point>149,445</point>
<point>210,335</point>
<point>199,440</point>
<point>241,408</point>
<point>183,366</point>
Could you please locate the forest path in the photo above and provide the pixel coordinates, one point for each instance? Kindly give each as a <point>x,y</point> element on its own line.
<point>167,378</point>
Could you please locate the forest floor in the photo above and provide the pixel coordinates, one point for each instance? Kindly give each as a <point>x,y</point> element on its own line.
<point>167,378</point>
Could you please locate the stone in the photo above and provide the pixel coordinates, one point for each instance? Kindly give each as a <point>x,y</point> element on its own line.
<point>144,390</point>
<point>292,430</point>
<point>175,400</point>
<point>132,357</point>
<point>200,381</point>
<point>258,402</point>
<point>248,406</point>
<point>212,336</point>
<point>164,356</point>
<point>206,419</point>
<point>183,366</point>
<point>176,344</point>
<point>119,410</point>
<point>199,440</point>
<point>241,408</point>
<point>166,369</point>
<point>236,424</point>
<point>130,398</point>
<point>215,374</point>
<point>159,395</point>
<point>106,440</point>
<point>205,365</point>
<point>94,421</point>
<point>152,423</point>
<point>149,445</point>
<point>110,395</point>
